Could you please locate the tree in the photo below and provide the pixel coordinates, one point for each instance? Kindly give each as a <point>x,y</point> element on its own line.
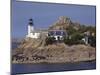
<point>75,38</point>
<point>70,30</point>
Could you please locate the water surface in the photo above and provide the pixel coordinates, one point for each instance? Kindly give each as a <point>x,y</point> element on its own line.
<point>37,68</point>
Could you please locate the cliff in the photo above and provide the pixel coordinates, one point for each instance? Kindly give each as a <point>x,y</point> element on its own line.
<point>34,52</point>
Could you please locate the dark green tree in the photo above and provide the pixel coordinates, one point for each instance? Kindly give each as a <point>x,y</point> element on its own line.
<point>75,38</point>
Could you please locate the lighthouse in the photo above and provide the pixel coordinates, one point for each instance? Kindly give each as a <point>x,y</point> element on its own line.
<point>32,33</point>
<point>30,27</point>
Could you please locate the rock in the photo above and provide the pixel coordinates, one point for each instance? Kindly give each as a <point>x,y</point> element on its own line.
<point>58,53</point>
<point>63,23</point>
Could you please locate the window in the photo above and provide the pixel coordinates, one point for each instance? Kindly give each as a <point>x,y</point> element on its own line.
<point>51,33</point>
<point>58,32</point>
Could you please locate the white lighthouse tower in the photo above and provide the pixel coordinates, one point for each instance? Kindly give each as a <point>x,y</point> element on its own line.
<point>31,30</point>
<point>30,27</point>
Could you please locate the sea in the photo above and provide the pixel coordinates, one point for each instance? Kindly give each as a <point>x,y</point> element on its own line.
<point>43,67</point>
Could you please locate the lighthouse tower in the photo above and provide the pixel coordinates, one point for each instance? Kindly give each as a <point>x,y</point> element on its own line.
<point>30,27</point>
<point>31,31</point>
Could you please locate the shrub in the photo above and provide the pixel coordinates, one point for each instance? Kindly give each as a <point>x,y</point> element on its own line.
<point>75,39</point>
<point>92,41</point>
<point>71,30</point>
<point>50,40</point>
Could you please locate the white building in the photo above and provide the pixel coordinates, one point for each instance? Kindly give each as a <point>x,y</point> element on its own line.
<point>57,34</point>
<point>31,31</point>
<point>86,37</point>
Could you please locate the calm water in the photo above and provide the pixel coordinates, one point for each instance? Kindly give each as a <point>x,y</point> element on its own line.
<point>35,68</point>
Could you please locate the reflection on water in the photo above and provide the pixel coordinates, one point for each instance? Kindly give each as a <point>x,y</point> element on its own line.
<point>34,68</point>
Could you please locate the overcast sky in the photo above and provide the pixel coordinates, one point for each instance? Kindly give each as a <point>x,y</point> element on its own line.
<point>45,14</point>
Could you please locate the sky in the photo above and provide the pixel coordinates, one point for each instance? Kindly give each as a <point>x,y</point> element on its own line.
<point>45,14</point>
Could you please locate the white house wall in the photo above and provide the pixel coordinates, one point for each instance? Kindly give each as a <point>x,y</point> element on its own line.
<point>33,35</point>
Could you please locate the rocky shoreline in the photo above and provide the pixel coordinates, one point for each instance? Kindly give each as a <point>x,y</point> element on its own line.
<point>57,53</point>
<point>48,62</point>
